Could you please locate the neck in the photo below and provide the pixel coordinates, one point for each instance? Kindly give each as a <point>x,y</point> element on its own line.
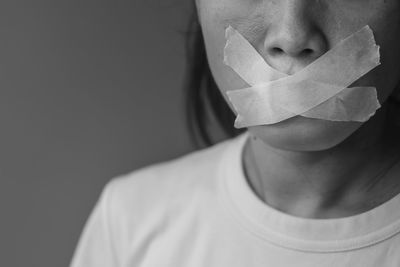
<point>338,182</point>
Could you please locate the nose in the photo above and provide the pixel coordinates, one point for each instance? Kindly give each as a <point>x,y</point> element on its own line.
<point>293,39</point>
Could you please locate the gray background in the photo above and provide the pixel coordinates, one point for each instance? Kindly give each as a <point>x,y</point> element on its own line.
<point>89,90</point>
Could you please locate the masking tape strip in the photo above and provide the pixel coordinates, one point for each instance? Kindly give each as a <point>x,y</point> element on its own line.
<point>317,91</point>
<point>358,98</point>
<point>240,55</point>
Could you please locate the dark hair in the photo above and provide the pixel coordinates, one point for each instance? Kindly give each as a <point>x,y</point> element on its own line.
<point>203,100</point>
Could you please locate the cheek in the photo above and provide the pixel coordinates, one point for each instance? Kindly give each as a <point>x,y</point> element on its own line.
<point>225,78</point>
<point>216,15</point>
<point>387,74</point>
<point>384,19</point>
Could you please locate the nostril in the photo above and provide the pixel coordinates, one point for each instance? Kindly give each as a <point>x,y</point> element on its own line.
<point>276,51</point>
<point>307,52</point>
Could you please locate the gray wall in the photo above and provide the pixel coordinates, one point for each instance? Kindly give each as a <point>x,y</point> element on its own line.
<point>89,90</point>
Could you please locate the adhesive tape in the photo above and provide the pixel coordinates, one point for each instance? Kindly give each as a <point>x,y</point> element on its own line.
<point>320,90</point>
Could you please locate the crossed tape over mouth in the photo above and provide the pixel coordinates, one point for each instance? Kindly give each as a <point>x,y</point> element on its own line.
<point>319,91</point>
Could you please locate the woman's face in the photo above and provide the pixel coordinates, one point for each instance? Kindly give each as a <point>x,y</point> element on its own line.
<point>290,34</point>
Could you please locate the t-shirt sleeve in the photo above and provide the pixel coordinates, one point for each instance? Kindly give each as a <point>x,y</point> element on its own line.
<point>96,246</point>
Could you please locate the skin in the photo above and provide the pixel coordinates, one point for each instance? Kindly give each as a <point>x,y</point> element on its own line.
<point>309,167</point>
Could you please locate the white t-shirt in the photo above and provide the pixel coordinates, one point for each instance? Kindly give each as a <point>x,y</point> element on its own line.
<point>199,211</point>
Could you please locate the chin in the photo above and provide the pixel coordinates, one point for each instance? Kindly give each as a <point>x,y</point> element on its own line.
<point>304,134</point>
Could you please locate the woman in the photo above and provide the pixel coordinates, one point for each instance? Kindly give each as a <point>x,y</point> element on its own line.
<point>300,192</point>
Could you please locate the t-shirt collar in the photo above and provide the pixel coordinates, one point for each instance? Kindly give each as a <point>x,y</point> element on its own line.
<point>307,234</point>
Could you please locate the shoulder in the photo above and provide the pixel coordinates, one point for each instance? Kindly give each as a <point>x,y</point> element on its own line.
<point>136,206</point>
<point>163,188</point>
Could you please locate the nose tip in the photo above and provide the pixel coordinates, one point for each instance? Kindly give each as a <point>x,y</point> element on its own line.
<point>295,41</point>
<point>292,51</point>
<point>291,48</point>
<point>293,37</point>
